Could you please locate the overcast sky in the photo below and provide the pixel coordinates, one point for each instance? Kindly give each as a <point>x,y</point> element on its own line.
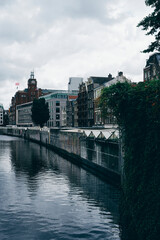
<point>69,38</point>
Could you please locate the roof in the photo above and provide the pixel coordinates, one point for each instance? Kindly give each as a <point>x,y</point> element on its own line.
<point>72,97</point>
<point>103,134</point>
<point>158,57</point>
<point>101,80</point>
<point>152,59</point>
<point>24,105</point>
<point>50,90</point>
<point>59,94</point>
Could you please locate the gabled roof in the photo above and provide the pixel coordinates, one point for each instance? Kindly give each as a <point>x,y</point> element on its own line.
<point>101,80</point>
<point>104,134</point>
<point>158,57</point>
<point>153,59</point>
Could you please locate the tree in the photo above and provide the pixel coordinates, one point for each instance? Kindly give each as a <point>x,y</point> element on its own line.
<point>40,112</point>
<point>137,109</point>
<point>151,23</point>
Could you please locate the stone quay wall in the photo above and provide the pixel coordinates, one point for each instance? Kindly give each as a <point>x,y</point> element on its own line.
<point>101,157</point>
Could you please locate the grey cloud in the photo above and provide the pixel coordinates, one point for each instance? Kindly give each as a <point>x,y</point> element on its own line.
<point>55,9</point>
<point>12,68</point>
<point>5,2</point>
<point>8,71</point>
<point>19,26</point>
<point>10,32</point>
<point>72,8</point>
<point>18,30</point>
<point>60,37</point>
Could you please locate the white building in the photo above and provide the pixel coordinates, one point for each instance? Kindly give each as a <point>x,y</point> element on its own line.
<point>97,93</point>
<point>1,114</point>
<point>64,117</point>
<point>74,83</point>
<point>56,104</point>
<point>120,78</point>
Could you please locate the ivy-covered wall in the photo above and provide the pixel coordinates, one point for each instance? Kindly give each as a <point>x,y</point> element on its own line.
<point>137,109</point>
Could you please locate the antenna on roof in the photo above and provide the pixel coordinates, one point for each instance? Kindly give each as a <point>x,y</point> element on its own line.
<point>32,75</point>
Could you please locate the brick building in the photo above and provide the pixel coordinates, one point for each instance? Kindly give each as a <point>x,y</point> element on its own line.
<point>25,96</point>
<point>70,110</point>
<point>82,105</point>
<point>92,83</point>
<point>75,106</point>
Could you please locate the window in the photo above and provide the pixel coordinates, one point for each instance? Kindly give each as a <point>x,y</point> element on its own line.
<point>57,124</point>
<point>154,71</point>
<point>57,103</point>
<point>57,116</point>
<point>145,75</point>
<point>57,110</point>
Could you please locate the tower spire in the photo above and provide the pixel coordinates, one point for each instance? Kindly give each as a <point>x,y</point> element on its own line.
<point>32,75</point>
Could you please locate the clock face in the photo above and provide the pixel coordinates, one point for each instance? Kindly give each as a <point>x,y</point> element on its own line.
<point>33,81</point>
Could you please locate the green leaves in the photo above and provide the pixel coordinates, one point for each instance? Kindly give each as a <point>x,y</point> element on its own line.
<point>40,112</point>
<point>114,98</point>
<point>137,109</point>
<point>151,23</point>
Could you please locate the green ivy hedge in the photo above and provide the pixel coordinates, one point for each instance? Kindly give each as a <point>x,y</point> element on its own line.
<point>137,109</point>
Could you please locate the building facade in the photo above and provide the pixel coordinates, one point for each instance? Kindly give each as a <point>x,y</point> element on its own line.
<point>97,110</point>
<point>152,68</point>
<point>1,114</point>
<point>64,117</point>
<point>24,115</point>
<point>75,106</point>
<point>70,110</point>
<point>5,118</point>
<point>92,83</point>
<point>25,96</point>
<point>110,119</point>
<point>57,108</point>
<point>82,107</point>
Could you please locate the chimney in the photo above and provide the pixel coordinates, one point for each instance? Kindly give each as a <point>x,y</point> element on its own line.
<point>120,74</point>
<point>109,77</point>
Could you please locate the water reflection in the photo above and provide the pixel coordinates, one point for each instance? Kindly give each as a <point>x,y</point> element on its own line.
<point>61,201</point>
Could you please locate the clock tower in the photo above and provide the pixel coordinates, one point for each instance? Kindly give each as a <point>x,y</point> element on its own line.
<point>32,87</point>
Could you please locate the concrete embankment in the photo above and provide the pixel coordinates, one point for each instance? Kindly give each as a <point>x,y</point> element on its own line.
<point>95,150</point>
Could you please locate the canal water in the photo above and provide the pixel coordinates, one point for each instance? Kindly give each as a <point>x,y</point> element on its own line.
<point>43,196</point>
